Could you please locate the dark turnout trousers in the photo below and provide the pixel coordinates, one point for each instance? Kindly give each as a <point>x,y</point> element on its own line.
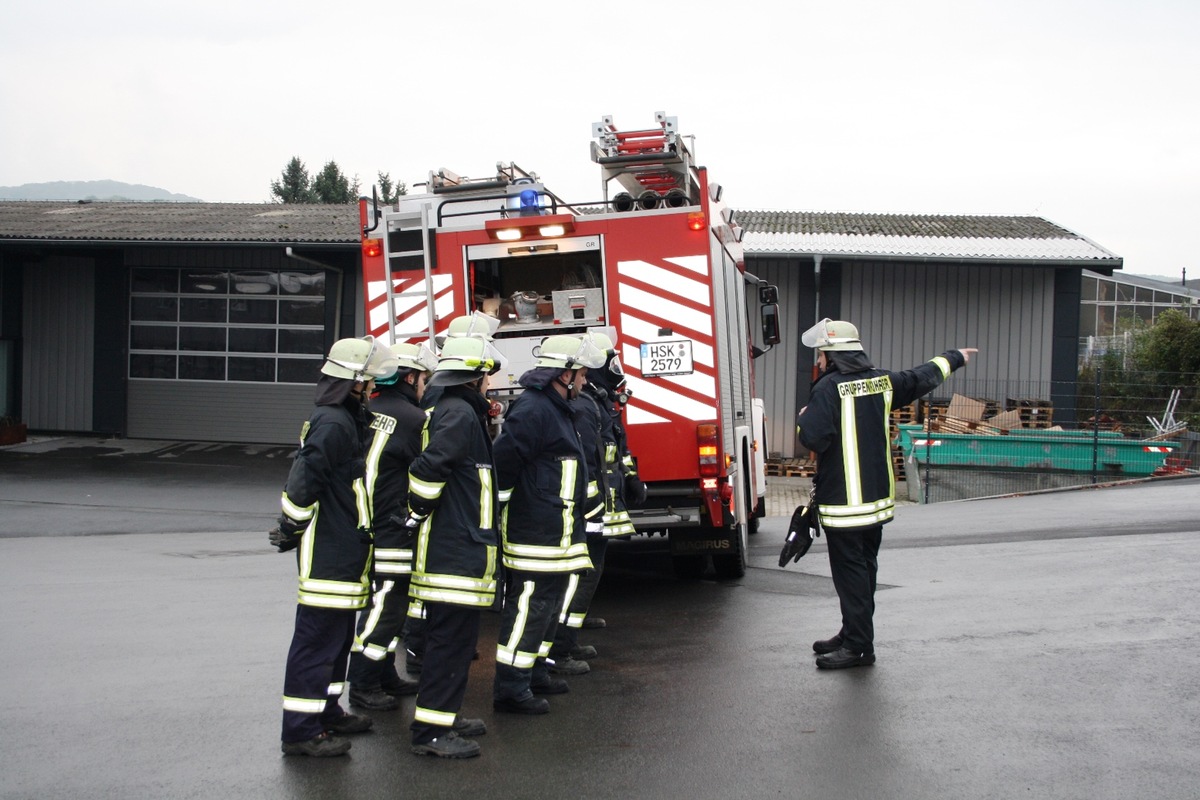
<point>379,628</point>
<point>452,632</point>
<point>854,562</point>
<point>316,670</point>
<point>532,603</point>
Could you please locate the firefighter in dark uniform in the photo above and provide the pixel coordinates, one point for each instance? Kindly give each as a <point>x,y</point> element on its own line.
<point>594,415</point>
<point>482,326</point>
<point>452,500</point>
<point>397,422</point>
<point>846,423</point>
<point>625,485</point>
<point>326,517</point>
<point>542,476</point>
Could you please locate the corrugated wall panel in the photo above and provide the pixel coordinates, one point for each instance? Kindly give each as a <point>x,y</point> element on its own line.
<point>218,412</point>
<point>776,373</point>
<point>907,313</point>
<point>58,328</point>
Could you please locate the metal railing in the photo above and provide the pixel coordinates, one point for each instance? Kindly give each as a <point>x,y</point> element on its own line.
<point>979,438</point>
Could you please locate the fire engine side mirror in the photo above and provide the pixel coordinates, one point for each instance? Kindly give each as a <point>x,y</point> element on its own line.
<point>770,323</point>
<point>767,293</point>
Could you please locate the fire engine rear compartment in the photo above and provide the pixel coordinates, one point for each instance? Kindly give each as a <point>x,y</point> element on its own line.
<point>549,287</point>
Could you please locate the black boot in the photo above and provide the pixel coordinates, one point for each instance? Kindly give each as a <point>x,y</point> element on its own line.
<point>842,658</point>
<point>823,646</point>
<point>372,697</point>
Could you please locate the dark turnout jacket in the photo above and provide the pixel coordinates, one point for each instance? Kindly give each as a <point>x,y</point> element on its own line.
<point>396,424</point>
<point>452,481</point>
<point>542,475</point>
<point>325,489</point>
<point>846,423</point>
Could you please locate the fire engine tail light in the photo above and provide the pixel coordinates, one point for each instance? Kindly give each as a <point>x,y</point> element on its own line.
<point>372,248</point>
<point>696,221</point>
<point>706,444</point>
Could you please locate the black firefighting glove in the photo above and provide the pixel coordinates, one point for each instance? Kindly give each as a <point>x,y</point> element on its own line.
<point>416,515</point>
<point>408,527</point>
<point>635,491</point>
<point>802,529</point>
<point>286,535</point>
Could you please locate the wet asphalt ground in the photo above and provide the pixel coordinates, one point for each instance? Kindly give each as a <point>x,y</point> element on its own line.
<point>1045,646</point>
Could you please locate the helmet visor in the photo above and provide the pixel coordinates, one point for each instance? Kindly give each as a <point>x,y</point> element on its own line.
<point>381,362</point>
<point>816,336</point>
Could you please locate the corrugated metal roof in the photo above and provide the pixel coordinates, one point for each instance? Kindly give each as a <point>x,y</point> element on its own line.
<point>915,236</point>
<point>767,232</point>
<point>179,222</point>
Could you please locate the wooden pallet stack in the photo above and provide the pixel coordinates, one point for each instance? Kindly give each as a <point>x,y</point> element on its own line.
<point>1033,413</point>
<point>905,415</point>
<point>968,415</point>
<point>791,467</point>
<point>898,462</point>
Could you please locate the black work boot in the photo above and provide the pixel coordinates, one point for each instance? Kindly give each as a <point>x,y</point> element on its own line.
<point>450,745</point>
<point>568,666</point>
<point>842,658</point>
<point>822,646</point>
<point>321,746</point>
<point>594,622</point>
<point>530,705</point>
<point>550,685</point>
<point>348,723</point>
<point>373,698</point>
<point>582,652</point>
<point>466,726</point>
<point>397,686</point>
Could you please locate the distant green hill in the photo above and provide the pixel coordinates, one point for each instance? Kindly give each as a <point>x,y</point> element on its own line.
<point>93,190</point>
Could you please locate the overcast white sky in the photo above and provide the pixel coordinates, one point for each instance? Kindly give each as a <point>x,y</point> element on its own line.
<point>1084,112</point>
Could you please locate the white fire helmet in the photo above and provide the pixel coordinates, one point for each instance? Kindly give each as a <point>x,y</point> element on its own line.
<point>474,324</point>
<point>463,359</point>
<point>829,334</point>
<point>410,358</point>
<point>415,357</point>
<point>569,352</point>
<point>359,360</point>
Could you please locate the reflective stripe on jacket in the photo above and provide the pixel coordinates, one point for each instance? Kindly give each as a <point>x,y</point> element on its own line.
<point>455,558</point>
<point>325,488</point>
<point>542,474</point>
<point>847,424</point>
<point>397,425</point>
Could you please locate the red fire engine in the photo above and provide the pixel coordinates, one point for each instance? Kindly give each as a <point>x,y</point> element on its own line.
<point>658,266</point>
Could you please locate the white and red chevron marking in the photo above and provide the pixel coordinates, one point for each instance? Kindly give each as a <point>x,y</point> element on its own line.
<point>411,312</point>
<point>668,293</point>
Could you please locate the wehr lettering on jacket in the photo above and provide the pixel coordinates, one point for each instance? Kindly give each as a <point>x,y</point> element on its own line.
<point>383,423</point>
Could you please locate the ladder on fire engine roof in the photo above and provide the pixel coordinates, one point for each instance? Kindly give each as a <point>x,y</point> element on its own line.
<point>648,160</point>
<point>423,290</point>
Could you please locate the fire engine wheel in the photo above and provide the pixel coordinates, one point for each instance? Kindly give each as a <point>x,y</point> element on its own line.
<point>733,565</point>
<point>689,568</point>
<point>756,512</point>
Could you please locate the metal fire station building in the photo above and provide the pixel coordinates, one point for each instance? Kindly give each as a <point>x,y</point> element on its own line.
<point>208,321</point>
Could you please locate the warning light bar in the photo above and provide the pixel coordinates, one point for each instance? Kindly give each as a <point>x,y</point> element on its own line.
<point>517,228</point>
